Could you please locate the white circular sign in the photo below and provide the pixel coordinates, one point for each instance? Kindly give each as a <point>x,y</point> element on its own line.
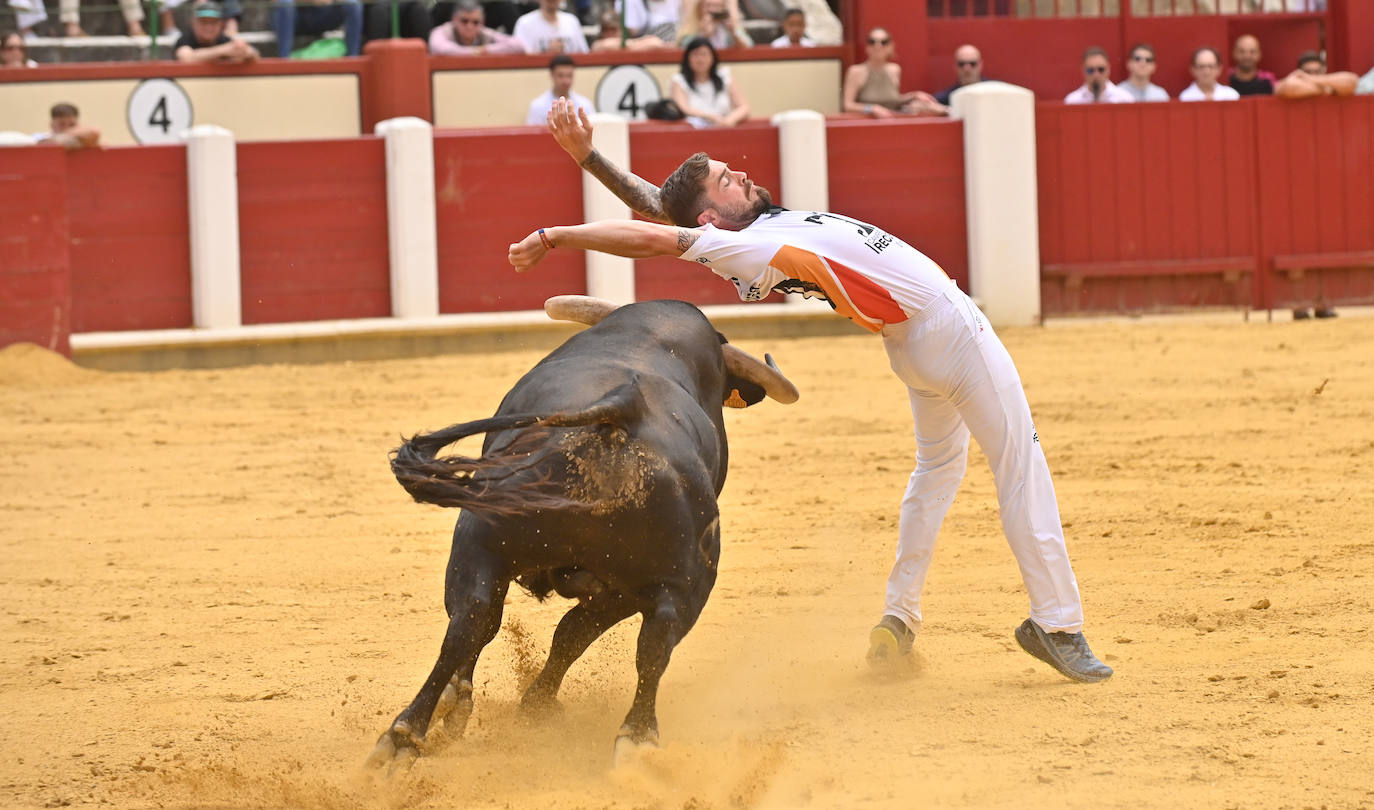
<point>626,90</point>
<point>159,111</point>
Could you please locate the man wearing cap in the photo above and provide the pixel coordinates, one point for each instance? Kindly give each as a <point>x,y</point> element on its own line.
<point>207,42</point>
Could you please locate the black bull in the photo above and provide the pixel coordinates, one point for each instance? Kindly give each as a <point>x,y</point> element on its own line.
<point>598,480</point>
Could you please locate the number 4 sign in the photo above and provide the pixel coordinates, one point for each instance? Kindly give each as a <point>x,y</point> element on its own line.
<point>626,90</point>
<point>159,111</point>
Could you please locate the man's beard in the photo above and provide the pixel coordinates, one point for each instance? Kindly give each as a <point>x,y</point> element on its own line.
<point>745,215</point>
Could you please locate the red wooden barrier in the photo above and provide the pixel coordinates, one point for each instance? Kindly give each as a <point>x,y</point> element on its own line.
<point>313,230</point>
<point>494,187</point>
<point>35,278</point>
<point>906,177</point>
<point>656,151</point>
<point>130,242</point>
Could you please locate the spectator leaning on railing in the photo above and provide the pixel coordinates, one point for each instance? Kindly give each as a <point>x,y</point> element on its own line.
<point>1206,68</point>
<point>794,31</point>
<point>467,35</point>
<point>704,90</point>
<point>290,17</point>
<point>1097,85</point>
<point>548,30</point>
<point>1311,79</point>
<point>207,42</point>
<point>66,131</point>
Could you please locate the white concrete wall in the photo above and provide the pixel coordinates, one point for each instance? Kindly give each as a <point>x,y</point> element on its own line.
<point>410,214</point>
<point>213,203</point>
<point>609,277</point>
<point>1001,198</point>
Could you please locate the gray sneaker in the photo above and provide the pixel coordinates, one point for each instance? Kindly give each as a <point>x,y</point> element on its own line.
<point>889,641</point>
<point>1066,652</point>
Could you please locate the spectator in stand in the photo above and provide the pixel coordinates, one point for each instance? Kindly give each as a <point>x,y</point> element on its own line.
<point>719,21</point>
<point>66,131</point>
<point>207,41</point>
<point>1097,87</point>
<point>28,13</point>
<point>609,39</point>
<point>1142,66</point>
<point>1245,77</point>
<point>413,20</point>
<point>703,89</point>
<point>548,30</point>
<point>14,53</point>
<point>873,87</point>
<point>467,35</point>
<point>968,69</point>
<point>561,75</point>
<point>1311,79</point>
<point>645,18</point>
<point>794,31</point>
<point>290,17</point>
<point>1206,68</point>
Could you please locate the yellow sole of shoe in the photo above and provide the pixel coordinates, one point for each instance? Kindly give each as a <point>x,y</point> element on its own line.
<point>883,647</point>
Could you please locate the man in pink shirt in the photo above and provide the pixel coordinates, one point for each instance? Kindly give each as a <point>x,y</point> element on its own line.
<point>467,35</point>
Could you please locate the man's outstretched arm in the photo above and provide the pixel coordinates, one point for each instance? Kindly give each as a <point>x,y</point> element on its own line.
<point>573,131</point>
<point>636,240</point>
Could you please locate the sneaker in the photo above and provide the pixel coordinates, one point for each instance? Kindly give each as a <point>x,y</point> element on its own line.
<point>1066,652</point>
<point>890,640</point>
<point>1324,312</point>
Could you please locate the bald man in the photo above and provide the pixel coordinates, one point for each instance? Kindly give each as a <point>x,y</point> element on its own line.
<point>968,68</point>
<point>1245,77</point>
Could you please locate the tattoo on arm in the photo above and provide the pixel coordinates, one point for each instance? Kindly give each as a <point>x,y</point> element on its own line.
<point>636,192</point>
<point>685,239</point>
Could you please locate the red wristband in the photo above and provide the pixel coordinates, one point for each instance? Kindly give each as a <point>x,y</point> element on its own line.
<point>548,243</point>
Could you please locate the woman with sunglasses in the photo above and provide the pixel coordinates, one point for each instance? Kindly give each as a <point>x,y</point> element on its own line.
<point>14,53</point>
<point>873,87</point>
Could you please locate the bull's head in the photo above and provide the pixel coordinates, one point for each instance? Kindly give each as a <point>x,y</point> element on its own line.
<point>750,380</point>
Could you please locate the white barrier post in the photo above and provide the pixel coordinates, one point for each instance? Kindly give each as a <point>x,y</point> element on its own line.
<point>1001,199</point>
<point>411,229</point>
<point>213,203</point>
<point>609,277</point>
<point>803,159</point>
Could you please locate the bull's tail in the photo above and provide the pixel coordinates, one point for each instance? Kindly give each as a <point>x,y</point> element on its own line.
<point>517,478</point>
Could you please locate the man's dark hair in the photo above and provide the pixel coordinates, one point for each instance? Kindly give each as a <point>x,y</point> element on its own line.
<point>684,192</point>
<point>63,109</point>
<point>793,12</point>
<point>466,5</point>
<point>1142,46</point>
<point>1094,51</point>
<point>561,59</point>
<point>1206,49</point>
<point>1310,56</point>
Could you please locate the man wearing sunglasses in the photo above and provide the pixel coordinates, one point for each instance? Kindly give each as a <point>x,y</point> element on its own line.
<point>1097,85</point>
<point>1141,66</point>
<point>968,69</point>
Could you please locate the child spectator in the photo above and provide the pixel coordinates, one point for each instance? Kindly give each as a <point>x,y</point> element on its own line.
<point>794,31</point>
<point>207,41</point>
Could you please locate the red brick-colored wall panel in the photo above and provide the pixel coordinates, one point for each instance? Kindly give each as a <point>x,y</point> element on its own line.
<point>313,230</point>
<point>35,279</point>
<point>130,239</point>
<point>493,188</point>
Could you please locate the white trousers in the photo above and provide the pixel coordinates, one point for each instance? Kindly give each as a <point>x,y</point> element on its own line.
<point>961,380</point>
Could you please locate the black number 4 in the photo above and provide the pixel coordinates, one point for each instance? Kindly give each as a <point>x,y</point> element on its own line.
<point>159,117</point>
<point>629,101</point>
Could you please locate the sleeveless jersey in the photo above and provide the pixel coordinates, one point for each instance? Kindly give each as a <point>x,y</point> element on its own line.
<point>869,276</point>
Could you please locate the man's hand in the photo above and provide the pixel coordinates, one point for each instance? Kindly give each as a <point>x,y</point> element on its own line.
<point>527,252</point>
<point>571,128</point>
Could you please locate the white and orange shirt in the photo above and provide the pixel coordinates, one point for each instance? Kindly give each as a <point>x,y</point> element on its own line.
<point>869,276</point>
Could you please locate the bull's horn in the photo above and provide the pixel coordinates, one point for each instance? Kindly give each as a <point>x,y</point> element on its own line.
<point>743,364</point>
<point>578,308</point>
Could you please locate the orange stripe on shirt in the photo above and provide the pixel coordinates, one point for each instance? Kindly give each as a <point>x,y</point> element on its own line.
<point>855,296</point>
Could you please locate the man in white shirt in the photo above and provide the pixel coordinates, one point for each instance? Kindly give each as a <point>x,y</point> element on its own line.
<point>1205,87</point>
<point>1142,66</point>
<point>548,30</point>
<point>561,73</point>
<point>794,31</point>
<point>1097,87</point>
<point>960,380</point>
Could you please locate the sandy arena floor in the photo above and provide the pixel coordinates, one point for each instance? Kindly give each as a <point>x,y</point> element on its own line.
<point>215,595</point>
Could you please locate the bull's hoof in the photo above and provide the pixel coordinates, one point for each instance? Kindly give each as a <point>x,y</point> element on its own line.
<point>396,750</point>
<point>454,708</point>
<point>630,744</point>
<point>540,704</point>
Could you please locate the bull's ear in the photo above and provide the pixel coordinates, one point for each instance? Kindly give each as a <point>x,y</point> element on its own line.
<point>743,393</point>
<point>722,339</point>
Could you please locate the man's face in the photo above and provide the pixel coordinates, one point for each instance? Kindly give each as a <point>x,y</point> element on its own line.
<point>62,123</point>
<point>1205,70</point>
<point>1142,64</point>
<point>1095,69</point>
<point>794,27</point>
<point>548,5</point>
<point>1312,67</point>
<point>468,24</point>
<point>968,65</point>
<point>734,197</point>
<point>562,80</point>
<point>207,29</point>
<point>1246,54</point>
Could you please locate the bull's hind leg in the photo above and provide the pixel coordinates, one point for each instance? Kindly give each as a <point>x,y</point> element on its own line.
<point>578,628</point>
<point>672,616</point>
<point>475,597</point>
